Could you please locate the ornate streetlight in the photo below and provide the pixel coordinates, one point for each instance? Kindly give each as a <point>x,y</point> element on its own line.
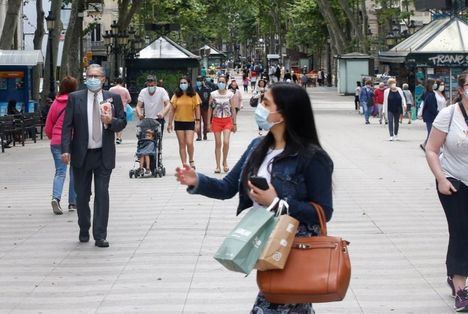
<point>50,20</point>
<point>116,43</point>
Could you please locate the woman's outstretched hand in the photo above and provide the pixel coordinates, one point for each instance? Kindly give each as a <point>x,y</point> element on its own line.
<point>186,176</point>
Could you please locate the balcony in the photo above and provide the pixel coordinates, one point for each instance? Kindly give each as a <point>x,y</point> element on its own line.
<point>98,48</point>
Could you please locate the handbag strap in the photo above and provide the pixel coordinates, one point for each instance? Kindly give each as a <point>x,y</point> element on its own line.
<point>321,217</point>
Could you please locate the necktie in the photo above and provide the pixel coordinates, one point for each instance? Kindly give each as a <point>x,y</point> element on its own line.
<point>97,132</point>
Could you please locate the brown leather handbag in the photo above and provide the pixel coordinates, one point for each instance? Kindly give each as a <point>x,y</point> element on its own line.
<point>318,269</point>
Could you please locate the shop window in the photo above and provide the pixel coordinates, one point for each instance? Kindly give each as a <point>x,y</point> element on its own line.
<point>19,83</point>
<point>3,84</point>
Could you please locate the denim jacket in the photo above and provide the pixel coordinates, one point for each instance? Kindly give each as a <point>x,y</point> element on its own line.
<point>297,179</point>
<point>366,94</point>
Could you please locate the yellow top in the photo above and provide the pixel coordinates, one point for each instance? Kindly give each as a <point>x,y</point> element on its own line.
<point>184,107</point>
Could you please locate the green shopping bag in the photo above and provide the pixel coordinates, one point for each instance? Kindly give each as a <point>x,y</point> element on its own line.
<point>243,245</point>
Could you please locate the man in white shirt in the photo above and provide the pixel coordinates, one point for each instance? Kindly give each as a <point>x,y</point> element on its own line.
<point>151,101</point>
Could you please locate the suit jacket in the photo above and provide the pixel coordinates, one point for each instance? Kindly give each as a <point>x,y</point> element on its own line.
<point>75,128</point>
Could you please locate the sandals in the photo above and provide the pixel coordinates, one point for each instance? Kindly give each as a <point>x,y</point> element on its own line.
<point>226,169</point>
<point>217,170</point>
<point>192,164</point>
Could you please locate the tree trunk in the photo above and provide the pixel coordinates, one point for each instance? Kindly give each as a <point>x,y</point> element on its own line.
<point>37,41</point>
<point>71,63</point>
<point>10,25</point>
<point>332,25</point>
<point>355,27</point>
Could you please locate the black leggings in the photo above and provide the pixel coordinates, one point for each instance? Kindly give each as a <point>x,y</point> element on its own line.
<point>456,210</point>
<point>393,122</point>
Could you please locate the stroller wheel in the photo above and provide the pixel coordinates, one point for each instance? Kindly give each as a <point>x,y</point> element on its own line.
<point>130,174</point>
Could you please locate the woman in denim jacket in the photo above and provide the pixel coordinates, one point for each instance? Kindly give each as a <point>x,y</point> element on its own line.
<point>290,157</point>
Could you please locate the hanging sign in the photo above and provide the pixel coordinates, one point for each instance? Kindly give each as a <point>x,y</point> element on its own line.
<point>439,60</point>
<point>11,74</point>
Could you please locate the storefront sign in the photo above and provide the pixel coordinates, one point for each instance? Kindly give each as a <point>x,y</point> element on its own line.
<point>11,74</point>
<point>439,60</point>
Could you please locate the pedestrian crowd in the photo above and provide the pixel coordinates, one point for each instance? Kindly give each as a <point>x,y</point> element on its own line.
<point>287,168</point>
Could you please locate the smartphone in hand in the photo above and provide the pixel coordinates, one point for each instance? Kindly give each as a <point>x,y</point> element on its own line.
<point>259,182</point>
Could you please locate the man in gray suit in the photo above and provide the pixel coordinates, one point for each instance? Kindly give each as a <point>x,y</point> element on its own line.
<point>92,118</point>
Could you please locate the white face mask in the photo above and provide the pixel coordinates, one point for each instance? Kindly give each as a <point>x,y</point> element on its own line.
<point>466,93</point>
<point>441,88</point>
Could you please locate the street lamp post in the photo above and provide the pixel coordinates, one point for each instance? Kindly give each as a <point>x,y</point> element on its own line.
<point>329,65</point>
<point>115,42</point>
<point>50,20</point>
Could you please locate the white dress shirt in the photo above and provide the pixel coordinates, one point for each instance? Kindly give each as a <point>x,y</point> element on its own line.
<point>91,143</point>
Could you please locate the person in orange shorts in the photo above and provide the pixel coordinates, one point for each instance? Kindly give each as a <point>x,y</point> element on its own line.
<point>222,120</point>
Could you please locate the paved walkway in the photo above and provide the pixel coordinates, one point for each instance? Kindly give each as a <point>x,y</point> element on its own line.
<point>162,239</point>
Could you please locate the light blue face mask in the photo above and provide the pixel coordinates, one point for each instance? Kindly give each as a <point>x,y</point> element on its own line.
<point>261,116</point>
<point>199,84</point>
<point>183,86</point>
<point>221,85</point>
<point>93,84</point>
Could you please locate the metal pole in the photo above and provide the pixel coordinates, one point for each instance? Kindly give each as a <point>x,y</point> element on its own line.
<point>52,78</point>
<point>329,77</point>
<point>450,85</point>
<point>116,70</point>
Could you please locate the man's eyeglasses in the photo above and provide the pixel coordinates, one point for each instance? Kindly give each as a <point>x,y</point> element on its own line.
<point>93,76</point>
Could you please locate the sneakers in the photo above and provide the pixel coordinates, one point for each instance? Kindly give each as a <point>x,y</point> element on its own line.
<point>56,206</point>
<point>395,138</point>
<point>71,207</point>
<point>452,286</point>
<point>461,300</point>
<point>118,141</point>
<point>148,173</point>
<point>391,139</point>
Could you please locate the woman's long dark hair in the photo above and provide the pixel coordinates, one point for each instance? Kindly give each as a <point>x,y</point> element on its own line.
<point>190,92</point>
<point>293,102</point>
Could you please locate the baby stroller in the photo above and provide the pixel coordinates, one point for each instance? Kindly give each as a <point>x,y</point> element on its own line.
<point>157,168</point>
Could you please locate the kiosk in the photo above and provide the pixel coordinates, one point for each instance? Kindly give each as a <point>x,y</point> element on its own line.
<point>16,79</point>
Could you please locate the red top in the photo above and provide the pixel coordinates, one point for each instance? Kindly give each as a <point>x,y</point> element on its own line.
<point>54,122</point>
<point>379,96</point>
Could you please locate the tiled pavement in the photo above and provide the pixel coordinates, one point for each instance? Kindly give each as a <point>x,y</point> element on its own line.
<point>162,239</point>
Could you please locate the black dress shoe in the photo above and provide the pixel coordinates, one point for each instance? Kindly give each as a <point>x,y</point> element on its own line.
<point>101,243</point>
<point>84,237</point>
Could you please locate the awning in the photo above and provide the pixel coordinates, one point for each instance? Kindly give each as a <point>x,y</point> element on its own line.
<point>165,48</point>
<point>354,55</point>
<point>213,51</point>
<point>446,36</point>
<point>21,57</point>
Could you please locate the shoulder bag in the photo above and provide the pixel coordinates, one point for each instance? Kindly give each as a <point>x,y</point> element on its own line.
<point>318,269</point>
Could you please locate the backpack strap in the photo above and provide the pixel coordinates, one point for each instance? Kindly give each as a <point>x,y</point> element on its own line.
<point>463,111</point>
<point>452,111</point>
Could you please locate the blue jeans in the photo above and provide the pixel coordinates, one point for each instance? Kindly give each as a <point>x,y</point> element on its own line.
<point>59,178</point>
<point>366,110</point>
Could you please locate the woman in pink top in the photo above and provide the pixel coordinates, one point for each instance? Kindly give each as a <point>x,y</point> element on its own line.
<point>53,130</point>
<point>120,90</point>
